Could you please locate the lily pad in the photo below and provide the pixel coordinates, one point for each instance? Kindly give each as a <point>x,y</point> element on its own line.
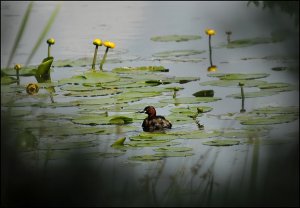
<point>249,42</point>
<point>174,154</point>
<point>93,77</point>
<point>28,71</point>
<point>119,142</point>
<point>177,53</point>
<point>190,100</point>
<point>229,83</point>
<point>5,80</point>
<point>277,110</point>
<point>176,38</point>
<point>80,88</point>
<point>266,120</point>
<point>152,143</point>
<point>279,68</point>
<point>204,93</point>
<point>145,158</point>
<point>140,69</point>
<point>238,76</point>
<point>96,120</point>
<point>261,93</point>
<point>173,149</point>
<point>222,142</point>
<point>92,93</point>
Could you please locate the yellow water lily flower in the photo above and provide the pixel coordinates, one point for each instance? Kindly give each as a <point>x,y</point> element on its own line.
<point>210,32</point>
<point>109,44</point>
<point>32,88</point>
<point>18,66</point>
<point>97,42</point>
<point>51,41</point>
<point>212,68</point>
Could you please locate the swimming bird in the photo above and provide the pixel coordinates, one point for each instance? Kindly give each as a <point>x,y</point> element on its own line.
<point>154,122</point>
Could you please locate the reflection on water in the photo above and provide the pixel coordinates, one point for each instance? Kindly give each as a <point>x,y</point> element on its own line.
<point>258,172</point>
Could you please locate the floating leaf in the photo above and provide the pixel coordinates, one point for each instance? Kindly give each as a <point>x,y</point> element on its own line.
<point>119,142</point>
<point>26,71</point>
<point>140,68</point>
<point>176,38</point>
<point>204,93</point>
<point>173,154</point>
<point>92,77</point>
<point>229,83</point>
<point>177,53</point>
<point>191,100</point>
<point>277,110</point>
<point>222,142</point>
<point>5,80</point>
<point>261,93</point>
<point>158,143</point>
<point>145,158</point>
<point>249,42</point>
<point>93,93</point>
<point>238,76</point>
<point>173,149</point>
<point>266,120</point>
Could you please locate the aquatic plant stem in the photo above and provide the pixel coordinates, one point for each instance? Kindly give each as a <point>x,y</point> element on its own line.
<point>18,78</point>
<point>243,97</point>
<point>49,50</point>
<point>210,51</point>
<point>103,60</point>
<point>95,56</point>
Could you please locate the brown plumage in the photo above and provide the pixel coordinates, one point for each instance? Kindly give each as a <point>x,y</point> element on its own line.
<point>154,122</point>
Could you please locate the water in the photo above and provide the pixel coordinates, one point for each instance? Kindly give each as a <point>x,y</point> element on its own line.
<point>213,176</point>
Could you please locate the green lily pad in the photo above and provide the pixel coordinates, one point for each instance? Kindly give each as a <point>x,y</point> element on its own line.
<point>145,158</point>
<point>280,68</point>
<point>28,71</point>
<point>222,142</point>
<point>190,100</point>
<point>43,71</point>
<point>95,155</point>
<point>176,38</point>
<point>5,80</point>
<point>92,77</point>
<point>67,145</point>
<point>174,154</point>
<point>80,88</point>
<point>158,143</point>
<point>250,42</point>
<point>277,87</point>
<point>96,120</point>
<point>277,110</point>
<point>140,69</point>
<point>204,93</point>
<point>131,95</point>
<point>177,53</point>
<point>238,76</point>
<point>266,120</point>
<point>200,135</point>
<point>261,93</point>
<point>93,93</point>
<point>119,142</point>
<point>229,83</point>
<point>173,149</point>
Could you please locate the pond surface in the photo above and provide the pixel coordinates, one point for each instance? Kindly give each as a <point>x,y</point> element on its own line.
<point>64,137</point>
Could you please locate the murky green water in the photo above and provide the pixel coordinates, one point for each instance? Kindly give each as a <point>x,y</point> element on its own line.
<point>183,167</point>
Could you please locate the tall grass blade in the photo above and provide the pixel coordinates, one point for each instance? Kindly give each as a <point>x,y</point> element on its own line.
<point>44,33</point>
<point>20,33</point>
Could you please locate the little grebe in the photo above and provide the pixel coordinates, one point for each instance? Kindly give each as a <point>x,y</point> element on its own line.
<point>154,122</point>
